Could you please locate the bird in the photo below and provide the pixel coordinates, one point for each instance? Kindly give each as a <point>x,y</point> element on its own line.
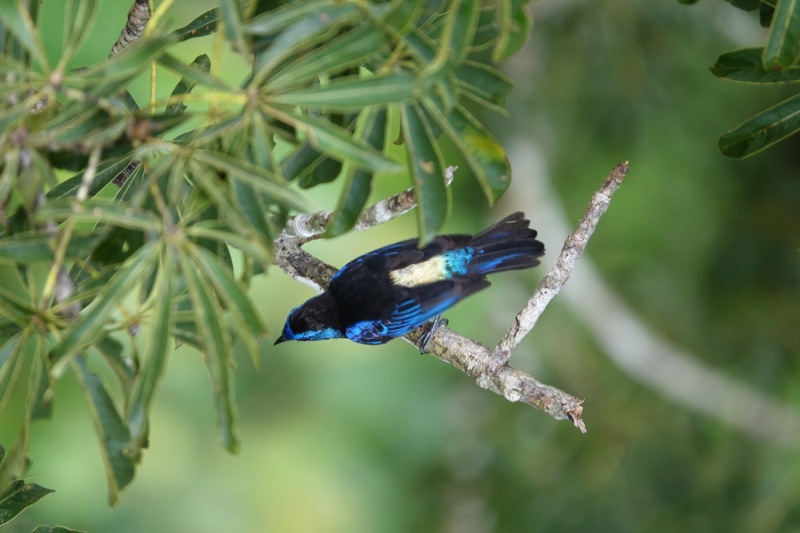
<point>388,292</point>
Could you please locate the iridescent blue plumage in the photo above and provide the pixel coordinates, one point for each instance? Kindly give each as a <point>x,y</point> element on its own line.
<point>388,292</point>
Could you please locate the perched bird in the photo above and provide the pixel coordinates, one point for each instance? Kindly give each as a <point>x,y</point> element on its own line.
<point>386,293</point>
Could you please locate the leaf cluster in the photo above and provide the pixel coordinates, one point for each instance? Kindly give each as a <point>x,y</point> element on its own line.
<point>773,63</point>
<point>103,272</point>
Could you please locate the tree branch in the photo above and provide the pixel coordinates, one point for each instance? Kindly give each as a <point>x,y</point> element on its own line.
<point>490,368</point>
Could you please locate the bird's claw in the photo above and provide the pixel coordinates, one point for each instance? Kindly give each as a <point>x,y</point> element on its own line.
<point>427,337</point>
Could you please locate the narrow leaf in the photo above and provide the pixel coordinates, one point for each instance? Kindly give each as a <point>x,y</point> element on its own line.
<point>16,19</point>
<point>745,65</point>
<point>106,172</point>
<point>91,324</point>
<point>424,164</point>
<point>783,39</point>
<point>460,29</point>
<point>231,12</point>
<point>79,18</point>
<point>515,23</point>
<point>763,130</point>
<point>111,430</point>
<point>208,318</point>
<point>19,496</point>
<point>353,93</point>
<point>358,182</point>
<point>37,246</point>
<point>484,84</point>
<point>205,24</point>
<point>136,58</point>
<point>101,210</point>
<point>154,356</point>
<point>275,20</point>
<point>485,156</point>
<point>339,144</point>
<point>194,74</point>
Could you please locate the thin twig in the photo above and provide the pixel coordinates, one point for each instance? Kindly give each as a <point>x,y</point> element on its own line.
<point>559,273</point>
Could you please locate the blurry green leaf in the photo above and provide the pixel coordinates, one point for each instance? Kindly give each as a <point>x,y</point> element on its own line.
<point>205,24</point>
<point>358,183</point>
<point>485,156</point>
<point>231,11</point>
<point>11,361</point>
<point>39,403</point>
<point>339,144</point>
<point>111,350</point>
<point>783,39</point>
<point>515,23</point>
<point>110,428</point>
<point>745,65</point>
<point>235,298</point>
<point>101,210</point>
<point>462,18</point>
<point>208,317</point>
<point>484,84</point>
<point>353,93</point>
<point>249,246</point>
<point>194,74</point>
<point>79,18</point>
<point>91,324</point>
<point>747,5</point>
<point>35,246</point>
<point>763,130</point>
<point>15,17</point>
<point>253,207</point>
<point>276,20</point>
<point>424,164</point>
<point>314,28</point>
<point>135,59</point>
<point>106,172</point>
<point>309,166</point>
<point>155,353</point>
<point>345,51</point>
<point>17,497</point>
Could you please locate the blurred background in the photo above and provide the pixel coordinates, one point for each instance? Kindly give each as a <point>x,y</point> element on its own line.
<point>698,251</point>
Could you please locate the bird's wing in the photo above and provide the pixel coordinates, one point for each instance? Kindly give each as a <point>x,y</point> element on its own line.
<point>421,304</point>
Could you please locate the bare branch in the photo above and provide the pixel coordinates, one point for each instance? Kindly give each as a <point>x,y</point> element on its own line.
<point>134,27</point>
<point>559,273</point>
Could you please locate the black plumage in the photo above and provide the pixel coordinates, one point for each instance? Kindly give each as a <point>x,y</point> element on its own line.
<point>388,292</point>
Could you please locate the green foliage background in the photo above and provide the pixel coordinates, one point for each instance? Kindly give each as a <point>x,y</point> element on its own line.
<point>340,437</point>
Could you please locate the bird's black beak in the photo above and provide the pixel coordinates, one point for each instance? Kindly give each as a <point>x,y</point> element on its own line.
<point>280,340</point>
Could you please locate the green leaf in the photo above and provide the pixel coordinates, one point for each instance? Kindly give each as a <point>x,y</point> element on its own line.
<point>275,20</point>
<point>231,12</point>
<point>763,130</point>
<point>234,295</point>
<point>134,60</point>
<point>745,65</point>
<point>307,32</point>
<point>746,5</point>
<point>484,155</point>
<point>35,246</point>
<point>18,496</point>
<point>39,403</point>
<point>106,172</point>
<point>90,326</point>
<point>15,18</point>
<point>343,52</point>
<point>783,39</point>
<point>12,358</point>
<point>484,84</point>
<point>257,177</point>
<point>358,183</point>
<point>155,353</point>
<point>425,166</point>
<point>111,430</point>
<point>100,210</point>
<point>353,93</point>
<point>194,74</point>
<point>462,19</point>
<point>205,24</point>
<point>79,18</point>
<point>339,144</point>
<point>208,317</point>
<point>515,23</point>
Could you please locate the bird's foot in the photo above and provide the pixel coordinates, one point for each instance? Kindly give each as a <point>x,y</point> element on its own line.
<point>427,337</point>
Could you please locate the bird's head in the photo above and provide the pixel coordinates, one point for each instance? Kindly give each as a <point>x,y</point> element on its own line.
<point>315,320</point>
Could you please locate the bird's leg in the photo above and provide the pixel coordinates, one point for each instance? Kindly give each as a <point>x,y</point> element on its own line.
<point>427,337</point>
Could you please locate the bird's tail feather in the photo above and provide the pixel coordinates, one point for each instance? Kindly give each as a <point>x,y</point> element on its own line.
<point>508,245</point>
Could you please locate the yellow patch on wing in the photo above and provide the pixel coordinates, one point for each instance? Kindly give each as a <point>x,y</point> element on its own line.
<point>420,273</point>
